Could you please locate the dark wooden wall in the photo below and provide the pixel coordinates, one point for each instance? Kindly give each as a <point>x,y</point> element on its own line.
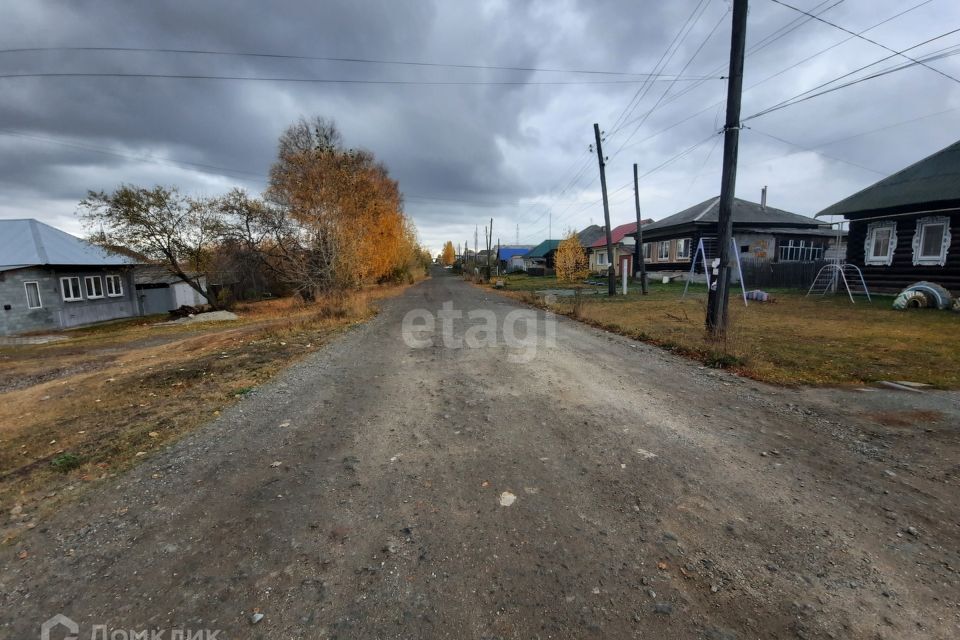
<point>902,272</point>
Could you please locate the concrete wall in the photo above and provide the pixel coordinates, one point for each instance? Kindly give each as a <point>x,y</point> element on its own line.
<point>56,313</point>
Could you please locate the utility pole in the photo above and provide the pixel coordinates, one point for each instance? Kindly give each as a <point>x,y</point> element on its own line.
<point>498,257</point>
<point>611,271</point>
<point>639,263</point>
<point>719,298</point>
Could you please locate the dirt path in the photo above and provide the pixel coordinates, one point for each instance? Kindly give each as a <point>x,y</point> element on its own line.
<point>653,498</point>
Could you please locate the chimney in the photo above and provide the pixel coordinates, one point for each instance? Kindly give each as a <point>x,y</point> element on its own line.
<point>763,197</point>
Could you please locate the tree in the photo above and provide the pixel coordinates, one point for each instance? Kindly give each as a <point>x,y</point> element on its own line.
<point>343,214</point>
<point>449,254</point>
<point>160,224</point>
<point>570,260</point>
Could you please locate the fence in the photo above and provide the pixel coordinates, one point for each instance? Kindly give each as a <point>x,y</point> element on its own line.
<point>763,274</point>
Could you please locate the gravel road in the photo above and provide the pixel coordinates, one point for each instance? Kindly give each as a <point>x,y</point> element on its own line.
<point>598,487</point>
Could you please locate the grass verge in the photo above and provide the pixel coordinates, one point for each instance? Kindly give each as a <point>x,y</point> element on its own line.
<point>792,340</point>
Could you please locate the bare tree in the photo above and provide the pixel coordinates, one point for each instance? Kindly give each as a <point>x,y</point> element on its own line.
<point>160,224</point>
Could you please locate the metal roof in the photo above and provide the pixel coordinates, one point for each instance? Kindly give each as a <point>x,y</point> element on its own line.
<point>933,179</point>
<point>27,242</point>
<point>509,252</point>
<point>617,234</point>
<point>591,234</point>
<point>744,213</point>
<point>542,249</point>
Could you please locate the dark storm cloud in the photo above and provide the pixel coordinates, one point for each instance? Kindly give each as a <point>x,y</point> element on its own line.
<point>514,147</point>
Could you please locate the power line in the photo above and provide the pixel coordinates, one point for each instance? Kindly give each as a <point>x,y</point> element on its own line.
<point>661,64</point>
<point>810,93</point>
<point>246,54</point>
<point>777,34</point>
<point>178,76</point>
<point>865,39</point>
<point>670,86</point>
<point>772,76</point>
<point>806,148</point>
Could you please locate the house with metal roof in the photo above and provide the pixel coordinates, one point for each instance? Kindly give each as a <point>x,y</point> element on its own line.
<point>762,233</point>
<point>52,280</point>
<point>906,227</point>
<point>510,257</point>
<point>623,239</point>
<point>540,258</point>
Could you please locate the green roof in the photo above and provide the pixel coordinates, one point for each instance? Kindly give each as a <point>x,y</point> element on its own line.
<point>542,249</point>
<point>934,179</point>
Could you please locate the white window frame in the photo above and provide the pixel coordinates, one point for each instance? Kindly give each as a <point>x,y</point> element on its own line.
<point>680,243</point>
<point>872,228</point>
<point>70,281</point>
<point>117,290</point>
<point>26,292</point>
<point>660,247</point>
<point>87,281</point>
<point>647,252</point>
<point>602,258</point>
<point>931,260</point>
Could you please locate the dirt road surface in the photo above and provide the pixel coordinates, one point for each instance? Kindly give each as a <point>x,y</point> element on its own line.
<point>600,488</point>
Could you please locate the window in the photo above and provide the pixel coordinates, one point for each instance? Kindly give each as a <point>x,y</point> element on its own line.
<point>70,288</point>
<point>33,295</point>
<point>114,286</point>
<point>663,250</point>
<point>646,251</point>
<point>601,258</point>
<point>94,287</point>
<point>800,251</point>
<point>931,241</point>
<point>683,249</point>
<point>880,243</point>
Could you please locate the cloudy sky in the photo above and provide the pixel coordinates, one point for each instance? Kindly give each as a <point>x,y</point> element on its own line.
<point>466,143</point>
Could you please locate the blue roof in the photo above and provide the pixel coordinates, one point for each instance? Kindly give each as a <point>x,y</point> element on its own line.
<point>508,252</point>
<point>28,242</point>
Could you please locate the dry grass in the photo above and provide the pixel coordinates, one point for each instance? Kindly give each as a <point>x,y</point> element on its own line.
<point>81,410</point>
<point>794,340</point>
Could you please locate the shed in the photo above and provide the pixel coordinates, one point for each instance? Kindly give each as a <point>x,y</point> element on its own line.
<point>159,291</point>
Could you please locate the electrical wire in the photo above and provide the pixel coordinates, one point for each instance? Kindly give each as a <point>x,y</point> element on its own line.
<point>186,76</point>
<point>246,54</point>
<point>772,76</point>
<point>865,39</point>
<point>812,92</point>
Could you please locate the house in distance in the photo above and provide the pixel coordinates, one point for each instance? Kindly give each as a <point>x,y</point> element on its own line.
<point>762,233</point>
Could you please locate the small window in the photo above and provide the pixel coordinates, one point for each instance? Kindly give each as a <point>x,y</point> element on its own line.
<point>683,249</point>
<point>33,295</point>
<point>114,286</point>
<point>94,285</point>
<point>663,250</point>
<point>880,243</point>
<point>601,258</point>
<point>744,248</point>
<point>931,241</point>
<point>70,289</point>
<point>646,251</point>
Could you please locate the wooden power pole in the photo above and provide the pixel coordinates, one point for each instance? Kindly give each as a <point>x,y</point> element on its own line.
<point>611,271</point>
<point>719,297</point>
<point>639,263</point>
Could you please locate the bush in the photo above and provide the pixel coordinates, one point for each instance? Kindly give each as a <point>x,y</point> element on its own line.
<point>66,461</point>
